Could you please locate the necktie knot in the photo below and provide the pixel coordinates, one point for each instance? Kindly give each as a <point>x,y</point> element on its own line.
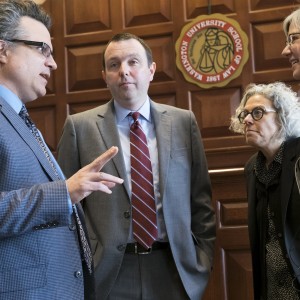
<point>135,116</point>
<point>25,116</point>
<point>23,112</point>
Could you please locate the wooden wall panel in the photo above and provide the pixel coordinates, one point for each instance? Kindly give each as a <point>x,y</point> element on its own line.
<point>268,58</point>
<point>50,86</point>
<point>238,275</point>
<point>80,32</point>
<point>231,276</point>
<point>212,109</point>
<point>75,108</point>
<point>138,13</point>
<point>86,16</point>
<point>194,8</point>
<point>84,68</point>
<point>265,4</point>
<point>233,212</point>
<point>166,99</point>
<point>164,53</point>
<point>45,120</point>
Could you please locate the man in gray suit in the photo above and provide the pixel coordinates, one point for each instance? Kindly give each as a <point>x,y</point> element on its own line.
<point>178,264</point>
<point>41,256</point>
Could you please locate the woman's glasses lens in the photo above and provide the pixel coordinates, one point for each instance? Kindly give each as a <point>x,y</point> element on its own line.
<point>257,113</point>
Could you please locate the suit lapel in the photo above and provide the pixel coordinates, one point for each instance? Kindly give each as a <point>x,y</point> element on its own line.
<point>288,175</point>
<point>251,191</point>
<point>162,120</point>
<point>19,125</point>
<point>109,133</point>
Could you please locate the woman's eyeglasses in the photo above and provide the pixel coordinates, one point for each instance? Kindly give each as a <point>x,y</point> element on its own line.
<point>291,38</point>
<point>257,113</point>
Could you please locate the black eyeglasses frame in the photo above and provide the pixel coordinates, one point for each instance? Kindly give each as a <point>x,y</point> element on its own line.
<point>260,109</point>
<point>46,50</point>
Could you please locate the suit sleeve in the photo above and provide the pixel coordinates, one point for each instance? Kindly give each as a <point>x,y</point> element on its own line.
<point>29,198</point>
<point>203,216</point>
<point>27,209</point>
<point>67,152</point>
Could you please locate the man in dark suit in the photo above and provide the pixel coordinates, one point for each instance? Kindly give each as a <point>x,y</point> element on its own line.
<point>41,256</point>
<point>178,264</point>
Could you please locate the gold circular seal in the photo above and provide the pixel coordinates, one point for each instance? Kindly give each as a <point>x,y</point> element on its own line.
<point>211,50</point>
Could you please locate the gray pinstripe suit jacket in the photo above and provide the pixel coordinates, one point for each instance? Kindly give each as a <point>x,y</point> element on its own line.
<point>184,186</point>
<point>39,250</point>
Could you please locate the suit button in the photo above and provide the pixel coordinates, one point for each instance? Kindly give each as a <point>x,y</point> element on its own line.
<point>72,227</point>
<point>127,214</point>
<point>36,227</point>
<point>78,274</point>
<point>121,247</point>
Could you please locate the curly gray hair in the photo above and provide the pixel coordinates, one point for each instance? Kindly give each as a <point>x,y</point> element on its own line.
<point>285,101</point>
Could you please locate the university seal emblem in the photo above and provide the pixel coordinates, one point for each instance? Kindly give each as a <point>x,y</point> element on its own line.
<point>211,50</point>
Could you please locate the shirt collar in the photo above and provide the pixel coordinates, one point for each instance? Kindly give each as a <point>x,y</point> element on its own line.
<point>12,99</point>
<point>122,113</point>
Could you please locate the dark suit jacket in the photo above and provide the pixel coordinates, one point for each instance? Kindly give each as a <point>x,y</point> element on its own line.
<point>39,251</point>
<point>184,187</point>
<point>290,208</point>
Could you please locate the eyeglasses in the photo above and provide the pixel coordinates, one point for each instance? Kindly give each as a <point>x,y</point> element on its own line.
<point>44,48</point>
<point>257,113</point>
<point>291,38</point>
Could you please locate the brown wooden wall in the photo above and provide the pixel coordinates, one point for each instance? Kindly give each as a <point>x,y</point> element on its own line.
<point>80,32</point>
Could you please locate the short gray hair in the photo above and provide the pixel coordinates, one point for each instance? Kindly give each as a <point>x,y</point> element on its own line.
<point>293,18</point>
<point>284,100</point>
<point>11,11</point>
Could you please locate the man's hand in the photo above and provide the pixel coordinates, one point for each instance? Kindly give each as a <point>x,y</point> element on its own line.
<point>90,179</point>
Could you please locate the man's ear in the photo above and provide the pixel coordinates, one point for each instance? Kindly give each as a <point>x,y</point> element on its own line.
<point>3,52</point>
<point>103,75</point>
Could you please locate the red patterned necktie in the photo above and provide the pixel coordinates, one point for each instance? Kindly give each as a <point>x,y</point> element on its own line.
<point>144,224</point>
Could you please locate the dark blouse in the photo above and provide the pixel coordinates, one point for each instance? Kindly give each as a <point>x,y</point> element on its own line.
<point>277,273</point>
